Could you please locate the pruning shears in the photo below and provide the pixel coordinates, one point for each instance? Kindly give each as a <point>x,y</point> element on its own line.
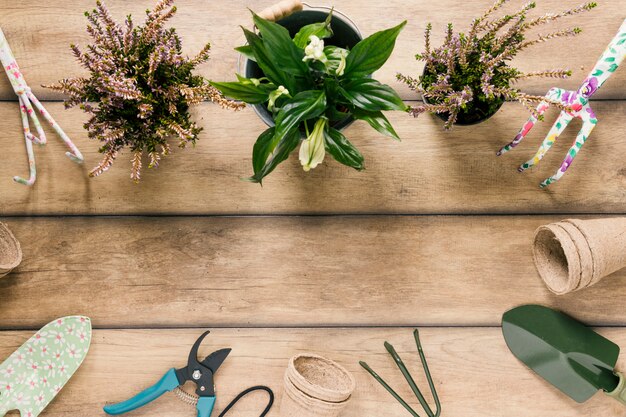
<point>200,373</point>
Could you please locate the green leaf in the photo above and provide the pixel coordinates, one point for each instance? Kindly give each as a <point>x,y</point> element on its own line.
<point>265,62</point>
<point>342,150</point>
<point>333,54</point>
<point>261,150</point>
<point>378,121</point>
<point>248,93</point>
<point>303,106</point>
<point>280,153</point>
<point>371,53</point>
<point>370,95</point>
<point>246,51</point>
<point>321,30</point>
<point>285,54</point>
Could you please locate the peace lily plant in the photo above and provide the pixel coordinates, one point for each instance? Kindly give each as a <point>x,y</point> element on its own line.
<point>309,87</point>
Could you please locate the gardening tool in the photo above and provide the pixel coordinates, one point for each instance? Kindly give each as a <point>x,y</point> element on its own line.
<point>405,372</point>
<point>578,102</point>
<point>35,373</point>
<point>26,100</point>
<point>200,373</point>
<point>566,353</point>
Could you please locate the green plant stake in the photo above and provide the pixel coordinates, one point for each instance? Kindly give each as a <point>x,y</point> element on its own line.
<point>410,380</point>
<point>310,88</point>
<point>565,352</point>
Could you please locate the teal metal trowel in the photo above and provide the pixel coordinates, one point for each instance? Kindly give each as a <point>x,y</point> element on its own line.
<point>565,352</point>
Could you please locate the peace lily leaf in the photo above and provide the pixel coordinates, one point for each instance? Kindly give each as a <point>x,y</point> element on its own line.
<point>335,56</point>
<point>246,51</point>
<point>370,95</point>
<point>303,106</point>
<point>265,62</point>
<point>378,121</point>
<point>342,150</point>
<point>371,53</point>
<point>261,150</point>
<point>285,54</point>
<point>281,152</point>
<point>321,30</point>
<point>248,93</point>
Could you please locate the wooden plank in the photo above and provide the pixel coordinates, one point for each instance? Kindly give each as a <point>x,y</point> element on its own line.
<point>42,48</point>
<point>430,171</point>
<point>474,372</point>
<point>293,271</point>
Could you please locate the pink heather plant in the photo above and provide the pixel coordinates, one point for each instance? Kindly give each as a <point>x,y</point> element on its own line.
<point>468,77</point>
<point>140,87</point>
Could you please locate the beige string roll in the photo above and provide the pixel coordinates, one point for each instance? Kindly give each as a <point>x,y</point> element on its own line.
<point>10,251</point>
<point>281,10</point>
<point>576,254</point>
<point>315,387</point>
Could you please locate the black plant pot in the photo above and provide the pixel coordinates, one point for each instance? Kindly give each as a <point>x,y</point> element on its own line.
<point>346,35</point>
<point>478,114</point>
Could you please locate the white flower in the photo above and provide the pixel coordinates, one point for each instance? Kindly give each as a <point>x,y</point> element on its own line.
<point>315,50</point>
<point>312,150</point>
<point>342,64</point>
<point>280,91</point>
<point>73,352</point>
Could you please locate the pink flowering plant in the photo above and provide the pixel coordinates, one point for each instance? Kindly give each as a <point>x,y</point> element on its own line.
<point>140,87</point>
<point>309,87</point>
<point>468,77</point>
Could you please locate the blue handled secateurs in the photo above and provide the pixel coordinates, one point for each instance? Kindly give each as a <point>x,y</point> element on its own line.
<point>200,373</point>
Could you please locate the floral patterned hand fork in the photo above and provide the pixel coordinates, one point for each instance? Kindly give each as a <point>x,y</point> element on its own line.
<point>578,101</point>
<point>27,100</point>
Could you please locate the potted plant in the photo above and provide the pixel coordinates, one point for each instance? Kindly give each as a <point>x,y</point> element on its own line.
<point>468,78</point>
<point>311,79</point>
<point>140,87</point>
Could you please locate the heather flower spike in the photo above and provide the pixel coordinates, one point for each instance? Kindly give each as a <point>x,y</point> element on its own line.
<point>28,103</point>
<point>141,87</point>
<point>578,104</point>
<point>469,74</point>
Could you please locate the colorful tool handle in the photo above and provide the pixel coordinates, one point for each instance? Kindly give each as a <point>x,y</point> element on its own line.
<point>205,406</point>
<point>620,392</point>
<point>281,10</point>
<point>168,383</point>
<point>611,58</point>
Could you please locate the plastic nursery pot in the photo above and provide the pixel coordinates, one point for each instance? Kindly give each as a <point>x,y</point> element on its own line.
<point>346,35</point>
<point>476,115</point>
<point>315,387</point>
<point>10,251</point>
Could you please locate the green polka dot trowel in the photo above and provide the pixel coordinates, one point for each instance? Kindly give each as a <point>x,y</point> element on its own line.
<point>35,373</point>
<point>565,352</point>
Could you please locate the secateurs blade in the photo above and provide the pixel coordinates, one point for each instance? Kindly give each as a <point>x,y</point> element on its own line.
<point>200,373</point>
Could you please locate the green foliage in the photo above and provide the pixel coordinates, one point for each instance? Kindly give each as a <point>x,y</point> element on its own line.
<point>309,87</point>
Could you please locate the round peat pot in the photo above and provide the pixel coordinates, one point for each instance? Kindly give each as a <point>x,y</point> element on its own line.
<point>478,114</point>
<point>10,251</point>
<point>346,35</point>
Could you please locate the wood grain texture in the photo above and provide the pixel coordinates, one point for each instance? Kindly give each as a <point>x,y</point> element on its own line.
<point>430,171</point>
<point>40,36</point>
<point>286,271</point>
<point>474,372</point>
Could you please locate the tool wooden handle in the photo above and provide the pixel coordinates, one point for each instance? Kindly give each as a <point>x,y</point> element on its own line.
<point>281,10</point>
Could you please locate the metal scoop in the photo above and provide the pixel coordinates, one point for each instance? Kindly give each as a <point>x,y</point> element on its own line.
<point>565,352</point>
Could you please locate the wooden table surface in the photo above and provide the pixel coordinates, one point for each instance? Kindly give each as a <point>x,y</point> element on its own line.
<point>435,233</point>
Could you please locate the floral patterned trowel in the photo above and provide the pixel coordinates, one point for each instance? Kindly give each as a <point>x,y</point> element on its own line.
<point>35,373</point>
